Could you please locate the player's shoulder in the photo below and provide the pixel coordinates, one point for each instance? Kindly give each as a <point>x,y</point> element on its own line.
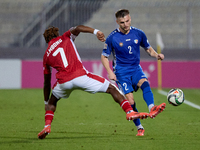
<point>67,34</point>
<point>113,33</point>
<point>134,29</point>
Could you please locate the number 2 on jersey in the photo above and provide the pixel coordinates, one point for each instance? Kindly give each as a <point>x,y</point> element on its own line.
<point>63,56</point>
<point>130,50</point>
<point>125,86</point>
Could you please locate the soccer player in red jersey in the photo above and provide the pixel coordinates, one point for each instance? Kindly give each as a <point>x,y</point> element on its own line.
<point>62,55</point>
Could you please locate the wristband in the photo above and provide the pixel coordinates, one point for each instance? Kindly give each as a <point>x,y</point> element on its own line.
<point>95,31</point>
<point>45,102</point>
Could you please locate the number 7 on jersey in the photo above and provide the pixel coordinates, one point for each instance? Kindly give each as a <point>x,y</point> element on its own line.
<point>63,56</point>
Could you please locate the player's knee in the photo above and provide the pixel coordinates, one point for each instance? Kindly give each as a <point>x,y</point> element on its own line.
<point>146,87</point>
<point>141,82</point>
<point>116,93</point>
<point>111,89</point>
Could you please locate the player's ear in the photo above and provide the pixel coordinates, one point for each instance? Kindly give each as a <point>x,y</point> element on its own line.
<point>117,21</point>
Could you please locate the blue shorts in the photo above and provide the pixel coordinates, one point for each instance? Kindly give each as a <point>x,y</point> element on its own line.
<point>128,84</point>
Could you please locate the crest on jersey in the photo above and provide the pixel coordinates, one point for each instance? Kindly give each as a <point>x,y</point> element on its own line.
<point>105,46</point>
<point>136,41</point>
<point>121,44</point>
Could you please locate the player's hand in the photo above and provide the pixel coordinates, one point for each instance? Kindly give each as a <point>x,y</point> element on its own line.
<point>112,76</point>
<point>160,57</point>
<point>100,36</point>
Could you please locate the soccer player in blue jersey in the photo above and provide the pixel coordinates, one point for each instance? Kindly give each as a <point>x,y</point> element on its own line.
<point>124,43</point>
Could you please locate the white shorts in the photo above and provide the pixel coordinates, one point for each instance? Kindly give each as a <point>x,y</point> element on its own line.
<point>90,83</point>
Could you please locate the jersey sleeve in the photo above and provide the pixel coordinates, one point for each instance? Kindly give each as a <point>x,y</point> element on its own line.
<point>144,41</point>
<point>46,68</point>
<point>69,34</point>
<point>107,47</point>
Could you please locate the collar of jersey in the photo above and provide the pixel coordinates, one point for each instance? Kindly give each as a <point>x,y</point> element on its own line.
<point>130,28</point>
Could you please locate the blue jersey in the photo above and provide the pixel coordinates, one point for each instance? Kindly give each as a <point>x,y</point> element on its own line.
<point>125,49</point>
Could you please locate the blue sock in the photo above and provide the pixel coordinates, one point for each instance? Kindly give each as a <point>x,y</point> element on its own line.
<point>136,121</point>
<point>147,93</point>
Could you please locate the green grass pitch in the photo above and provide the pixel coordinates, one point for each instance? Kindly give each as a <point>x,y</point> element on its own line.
<point>95,122</point>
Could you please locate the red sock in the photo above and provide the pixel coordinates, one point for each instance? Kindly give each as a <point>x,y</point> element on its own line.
<point>49,117</point>
<point>125,105</point>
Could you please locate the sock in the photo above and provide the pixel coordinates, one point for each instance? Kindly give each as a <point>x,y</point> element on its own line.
<point>48,117</point>
<point>136,121</point>
<point>147,93</point>
<point>150,106</point>
<point>125,105</point>
<point>140,127</point>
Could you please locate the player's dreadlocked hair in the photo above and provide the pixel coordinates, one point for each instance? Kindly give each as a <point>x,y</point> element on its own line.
<point>121,13</point>
<point>51,33</point>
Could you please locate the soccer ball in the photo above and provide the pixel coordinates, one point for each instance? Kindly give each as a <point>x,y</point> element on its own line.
<point>175,97</point>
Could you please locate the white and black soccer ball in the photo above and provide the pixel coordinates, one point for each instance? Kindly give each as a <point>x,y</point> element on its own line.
<point>175,97</point>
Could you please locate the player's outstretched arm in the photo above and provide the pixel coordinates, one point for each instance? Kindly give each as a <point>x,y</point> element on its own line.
<point>85,29</point>
<point>153,53</point>
<point>105,63</point>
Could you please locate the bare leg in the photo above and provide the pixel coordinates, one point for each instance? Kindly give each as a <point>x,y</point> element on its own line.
<point>117,96</point>
<point>50,109</point>
<point>52,104</point>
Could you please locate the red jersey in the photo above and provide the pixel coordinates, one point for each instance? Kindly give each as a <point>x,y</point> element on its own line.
<point>62,55</point>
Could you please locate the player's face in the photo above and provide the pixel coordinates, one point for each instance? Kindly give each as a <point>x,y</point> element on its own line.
<point>124,23</point>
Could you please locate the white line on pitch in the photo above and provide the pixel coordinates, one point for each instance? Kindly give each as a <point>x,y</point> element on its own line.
<point>185,101</point>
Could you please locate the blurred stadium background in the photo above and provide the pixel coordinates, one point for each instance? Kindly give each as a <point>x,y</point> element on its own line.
<point>22,23</point>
